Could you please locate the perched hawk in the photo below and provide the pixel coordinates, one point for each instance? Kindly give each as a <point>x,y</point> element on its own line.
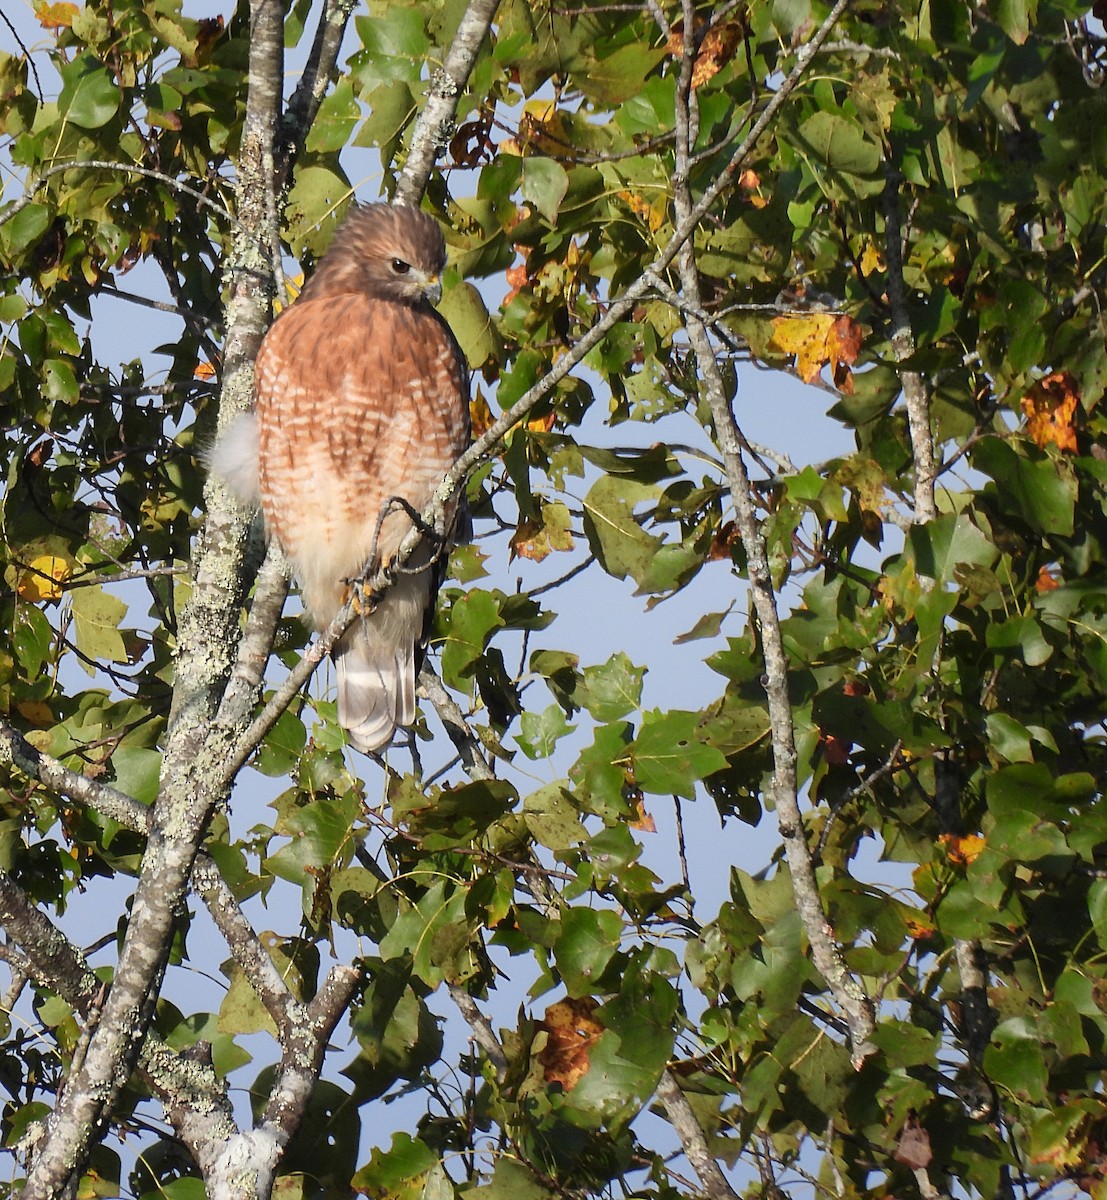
<point>362,398</point>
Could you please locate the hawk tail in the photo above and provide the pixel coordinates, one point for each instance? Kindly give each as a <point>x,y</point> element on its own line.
<point>375,661</point>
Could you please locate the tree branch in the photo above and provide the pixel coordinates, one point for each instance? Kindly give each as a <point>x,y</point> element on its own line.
<point>714,1183</point>
<point>848,993</point>
<point>305,101</point>
<point>915,392</point>
<point>207,634</point>
<point>93,164</point>
<point>434,125</point>
<point>483,1033</point>
<point>457,728</point>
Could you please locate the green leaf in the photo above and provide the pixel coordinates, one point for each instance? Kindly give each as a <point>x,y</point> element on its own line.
<point>669,755</point>
<point>613,689</point>
<point>389,1170</point>
<point>96,618</point>
<point>589,939</point>
<point>1038,488</point>
<point>1014,17</point>
<point>511,1180</point>
<point>335,120</point>
<point>472,620</point>
<point>137,772</point>
<point>467,316</point>
<point>545,183</point>
<point>840,144</point>
<point>622,546</point>
<point>541,731</point>
<point>59,381</point>
<point>1014,1060</point>
<point>90,96</point>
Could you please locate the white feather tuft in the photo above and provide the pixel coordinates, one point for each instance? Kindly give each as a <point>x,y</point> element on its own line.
<point>233,458</point>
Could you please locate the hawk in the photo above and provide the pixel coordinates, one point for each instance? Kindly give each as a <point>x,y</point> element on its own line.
<point>362,407</point>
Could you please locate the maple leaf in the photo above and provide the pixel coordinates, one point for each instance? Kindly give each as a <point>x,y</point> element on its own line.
<point>818,340</point>
<point>1049,407</point>
<point>537,539</point>
<point>571,1031</point>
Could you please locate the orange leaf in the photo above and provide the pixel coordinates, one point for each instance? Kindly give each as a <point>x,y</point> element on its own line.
<point>1050,406</point>
<point>480,415</point>
<point>962,850</point>
<point>571,1031</point>
<point>56,16</point>
<point>643,820</point>
<point>204,370</point>
<point>750,182</point>
<point>1046,581</point>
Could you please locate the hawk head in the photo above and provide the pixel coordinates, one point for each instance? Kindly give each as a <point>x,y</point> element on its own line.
<point>391,253</point>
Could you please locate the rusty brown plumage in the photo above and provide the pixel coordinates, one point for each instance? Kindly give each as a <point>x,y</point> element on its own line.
<point>362,397</point>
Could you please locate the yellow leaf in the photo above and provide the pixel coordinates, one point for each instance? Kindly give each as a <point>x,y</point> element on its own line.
<point>480,415</point>
<point>653,213</point>
<point>35,712</point>
<point>293,286</point>
<point>56,16</point>
<point>871,260</point>
<point>42,577</point>
<point>818,340</point>
<point>962,850</point>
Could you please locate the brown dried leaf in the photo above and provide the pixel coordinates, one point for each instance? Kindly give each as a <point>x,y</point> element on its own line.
<point>913,1147</point>
<point>571,1031</point>
<point>716,49</point>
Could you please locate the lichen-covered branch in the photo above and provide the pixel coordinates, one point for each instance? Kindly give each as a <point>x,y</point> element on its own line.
<point>318,74</point>
<point>434,125</point>
<point>848,994</point>
<point>916,395</point>
<point>207,635</point>
<point>193,1096</point>
<point>683,1120</point>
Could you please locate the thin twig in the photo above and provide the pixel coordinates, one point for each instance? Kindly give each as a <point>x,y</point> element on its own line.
<point>483,1034</point>
<point>95,164</point>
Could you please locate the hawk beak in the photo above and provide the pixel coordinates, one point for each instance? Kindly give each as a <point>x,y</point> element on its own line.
<point>432,289</point>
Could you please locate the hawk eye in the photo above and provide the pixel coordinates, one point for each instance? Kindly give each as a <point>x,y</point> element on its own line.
<point>399,267</point>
